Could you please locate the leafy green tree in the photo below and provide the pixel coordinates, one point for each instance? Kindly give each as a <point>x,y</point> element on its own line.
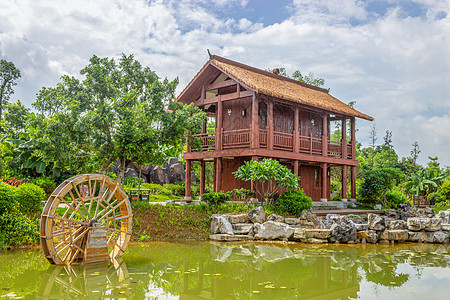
<point>119,112</point>
<point>415,151</point>
<point>376,183</point>
<point>263,172</point>
<point>387,158</point>
<point>15,119</point>
<point>297,75</point>
<point>8,76</point>
<point>425,181</point>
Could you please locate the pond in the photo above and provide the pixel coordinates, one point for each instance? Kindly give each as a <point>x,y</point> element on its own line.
<point>209,270</point>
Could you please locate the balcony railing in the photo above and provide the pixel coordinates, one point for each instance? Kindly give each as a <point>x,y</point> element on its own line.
<point>233,139</point>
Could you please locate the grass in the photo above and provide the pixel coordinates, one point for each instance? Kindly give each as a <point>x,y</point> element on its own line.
<point>438,209</point>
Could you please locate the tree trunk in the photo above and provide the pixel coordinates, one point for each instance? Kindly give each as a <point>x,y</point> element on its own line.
<point>121,175</point>
<point>139,186</point>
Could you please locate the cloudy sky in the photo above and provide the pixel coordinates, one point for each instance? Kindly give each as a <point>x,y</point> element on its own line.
<point>390,56</point>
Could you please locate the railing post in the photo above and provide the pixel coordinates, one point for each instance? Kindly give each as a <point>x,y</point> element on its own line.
<point>324,193</point>
<point>310,143</point>
<point>344,184</point>
<point>254,128</point>
<point>353,184</point>
<point>202,177</point>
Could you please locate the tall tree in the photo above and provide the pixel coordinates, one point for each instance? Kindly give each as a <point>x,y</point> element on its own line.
<point>373,135</point>
<point>297,75</point>
<point>15,118</point>
<point>8,76</point>
<point>415,151</point>
<point>119,112</point>
<point>387,140</point>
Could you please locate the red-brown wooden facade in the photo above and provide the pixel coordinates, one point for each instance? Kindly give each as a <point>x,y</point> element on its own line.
<point>251,124</point>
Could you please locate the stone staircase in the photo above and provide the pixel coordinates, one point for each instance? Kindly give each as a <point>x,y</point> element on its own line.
<point>332,205</point>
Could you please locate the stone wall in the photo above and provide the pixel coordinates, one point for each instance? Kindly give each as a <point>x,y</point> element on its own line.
<point>423,227</point>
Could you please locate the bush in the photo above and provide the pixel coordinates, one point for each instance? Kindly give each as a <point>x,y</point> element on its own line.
<point>13,181</point>
<point>242,194</point>
<point>46,183</point>
<point>216,198</point>
<point>293,202</point>
<point>132,181</point>
<point>445,203</point>
<point>336,197</point>
<point>394,198</point>
<point>445,189</point>
<point>18,229</point>
<point>29,196</point>
<point>7,200</point>
<point>175,189</point>
<point>335,186</point>
<point>435,197</point>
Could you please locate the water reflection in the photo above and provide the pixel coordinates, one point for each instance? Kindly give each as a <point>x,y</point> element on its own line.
<point>95,281</point>
<point>241,271</point>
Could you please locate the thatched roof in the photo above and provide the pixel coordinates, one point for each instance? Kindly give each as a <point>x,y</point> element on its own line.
<point>281,87</point>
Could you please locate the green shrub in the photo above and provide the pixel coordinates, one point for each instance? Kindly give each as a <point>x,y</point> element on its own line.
<point>293,202</point>
<point>7,201</point>
<point>242,194</point>
<point>132,181</point>
<point>445,203</point>
<point>435,197</point>
<point>46,183</point>
<point>336,197</point>
<point>112,175</point>
<point>175,189</point>
<point>216,198</point>
<point>335,186</point>
<point>18,229</point>
<point>394,198</point>
<point>156,189</point>
<point>29,196</point>
<point>445,189</point>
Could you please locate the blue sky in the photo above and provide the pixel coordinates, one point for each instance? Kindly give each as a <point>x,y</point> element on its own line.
<point>389,56</point>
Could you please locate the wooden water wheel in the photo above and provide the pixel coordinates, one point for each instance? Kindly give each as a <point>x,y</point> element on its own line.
<point>87,218</point>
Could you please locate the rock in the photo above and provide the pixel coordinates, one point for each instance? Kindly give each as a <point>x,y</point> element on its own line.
<point>427,224</point>
<point>175,172</point>
<point>305,233</point>
<point>131,173</point>
<point>242,218</point>
<point>172,161</point>
<point>315,241</point>
<point>343,231</point>
<point>394,235</point>
<point>243,228</point>
<point>332,218</point>
<point>377,206</point>
<point>362,227</point>
<point>275,218</point>
<point>308,215</point>
<point>391,213</point>
<point>408,209</point>
<point>357,219</point>
<point>444,215</point>
<point>370,236</point>
<point>384,242</point>
<point>440,237</point>
<point>376,222</point>
<point>229,237</point>
<point>429,237</point>
<point>291,221</point>
<point>404,216</point>
<point>445,227</point>
<point>320,224</point>
<point>272,230</point>
<point>157,175</point>
<point>395,225</point>
<point>428,212</point>
<point>257,215</point>
<point>220,224</point>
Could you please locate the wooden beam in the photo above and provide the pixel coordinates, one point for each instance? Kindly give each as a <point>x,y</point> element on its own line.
<point>219,124</point>
<point>219,174</point>
<point>353,137</point>
<point>202,176</point>
<point>344,183</point>
<point>219,85</point>
<point>344,137</point>
<point>225,97</point>
<point>353,184</point>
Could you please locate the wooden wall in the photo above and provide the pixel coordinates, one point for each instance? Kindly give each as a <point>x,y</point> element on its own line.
<point>236,120</point>
<point>311,181</point>
<point>229,182</point>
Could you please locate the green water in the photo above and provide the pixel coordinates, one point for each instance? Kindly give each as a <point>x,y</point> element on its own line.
<point>237,271</point>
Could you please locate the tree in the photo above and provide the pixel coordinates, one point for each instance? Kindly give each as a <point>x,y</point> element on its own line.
<point>119,112</point>
<point>373,135</point>
<point>297,75</point>
<point>15,118</point>
<point>415,151</point>
<point>263,172</point>
<point>386,158</point>
<point>387,140</point>
<point>377,182</point>
<point>425,182</point>
<point>8,76</point>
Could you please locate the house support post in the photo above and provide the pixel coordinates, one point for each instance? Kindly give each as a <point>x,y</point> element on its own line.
<point>218,174</point>
<point>344,184</point>
<point>353,137</point>
<point>270,124</point>
<point>202,177</point>
<point>252,186</point>
<point>295,132</point>
<point>353,185</point>
<point>187,193</point>
<point>325,135</point>
<point>324,182</point>
<point>344,138</point>
<point>219,124</point>
<point>254,132</point>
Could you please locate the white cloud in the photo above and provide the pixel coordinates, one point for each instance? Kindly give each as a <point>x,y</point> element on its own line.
<point>397,68</point>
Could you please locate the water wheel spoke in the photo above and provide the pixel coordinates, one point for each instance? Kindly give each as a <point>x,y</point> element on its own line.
<point>114,208</point>
<point>114,244</point>
<point>79,236</point>
<point>118,230</point>
<point>69,286</point>
<point>74,255</point>
<point>69,220</point>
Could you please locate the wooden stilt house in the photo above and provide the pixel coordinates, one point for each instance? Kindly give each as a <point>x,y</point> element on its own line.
<point>260,114</point>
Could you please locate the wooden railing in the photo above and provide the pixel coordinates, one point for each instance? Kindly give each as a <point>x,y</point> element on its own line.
<point>263,138</point>
<point>236,138</point>
<point>282,141</point>
<point>208,141</point>
<point>334,149</point>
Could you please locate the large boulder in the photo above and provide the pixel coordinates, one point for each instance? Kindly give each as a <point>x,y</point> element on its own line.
<point>272,230</point>
<point>243,228</point>
<point>428,237</point>
<point>257,215</point>
<point>175,172</point>
<point>394,235</point>
<point>131,173</point>
<point>407,210</point>
<point>275,218</point>
<point>428,212</point>
<point>305,233</point>
<point>242,218</point>
<point>395,225</point>
<point>362,227</point>
<point>426,224</point>
<point>445,216</point>
<point>220,224</point>
<point>291,221</point>
<point>369,236</point>
<point>376,222</point>
<point>156,175</point>
<point>343,231</point>
<point>308,215</point>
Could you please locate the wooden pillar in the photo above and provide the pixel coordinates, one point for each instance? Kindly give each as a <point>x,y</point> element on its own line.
<point>344,184</point>
<point>219,124</point>
<point>353,136</point>
<point>295,131</point>
<point>187,193</point>
<point>344,137</point>
<point>202,177</point>
<point>325,135</point>
<point>324,182</point>
<point>353,184</point>
<point>215,175</point>
<point>252,184</point>
<point>270,124</point>
<point>218,174</point>
<point>254,131</point>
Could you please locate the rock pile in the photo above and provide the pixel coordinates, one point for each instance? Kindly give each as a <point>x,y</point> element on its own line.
<point>420,226</point>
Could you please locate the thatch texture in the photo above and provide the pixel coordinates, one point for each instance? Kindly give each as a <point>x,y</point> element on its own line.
<point>284,88</point>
